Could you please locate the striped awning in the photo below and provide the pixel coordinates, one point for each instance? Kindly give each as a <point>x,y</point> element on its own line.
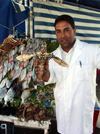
<point>87,20</point>
<point>19,7</point>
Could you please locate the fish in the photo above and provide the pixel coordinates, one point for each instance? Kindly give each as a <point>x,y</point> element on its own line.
<point>11,53</point>
<point>8,83</point>
<point>22,48</point>
<point>1,69</point>
<point>9,96</point>
<point>12,73</point>
<point>25,84</point>
<point>21,64</point>
<point>16,66</point>
<point>17,86</point>
<point>15,60</point>
<point>3,92</point>
<point>1,76</point>
<point>34,73</point>
<point>9,66</point>
<point>3,83</point>
<point>25,94</point>
<point>5,70</point>
<point>16,74</point>
<point>31,62</point>
<point>26,63</point>
<point>16,50</point>
<point>5,63</point>
<point>29,75</point>
<point>11,59</point>
<point>29,68</point>
<point>12,65</point>
<point>24,57</point>
<point>23,74</point>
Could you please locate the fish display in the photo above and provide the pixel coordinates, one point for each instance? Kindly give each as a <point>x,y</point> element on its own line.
<point>17,89</point>
<point>15,75</point>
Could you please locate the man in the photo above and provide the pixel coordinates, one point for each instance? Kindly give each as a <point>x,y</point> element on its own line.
<point>75,85</point>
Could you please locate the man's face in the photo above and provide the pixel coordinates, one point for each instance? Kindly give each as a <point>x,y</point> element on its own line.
<point>65,35</point>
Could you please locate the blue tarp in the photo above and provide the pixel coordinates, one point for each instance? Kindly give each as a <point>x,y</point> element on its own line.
<point>9,18</point>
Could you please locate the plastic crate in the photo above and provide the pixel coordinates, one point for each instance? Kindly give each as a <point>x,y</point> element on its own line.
<point>6,127</point>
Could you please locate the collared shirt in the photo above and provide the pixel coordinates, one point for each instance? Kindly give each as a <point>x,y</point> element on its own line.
<point>66,56</point>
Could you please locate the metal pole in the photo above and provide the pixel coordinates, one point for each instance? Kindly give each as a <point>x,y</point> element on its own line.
<point>26,21</point>
<point>31,19</point>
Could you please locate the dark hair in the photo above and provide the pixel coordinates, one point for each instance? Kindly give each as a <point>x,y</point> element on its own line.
<point>67,18</point>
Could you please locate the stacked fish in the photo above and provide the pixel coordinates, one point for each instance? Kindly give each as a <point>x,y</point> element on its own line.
<point>15,76</point>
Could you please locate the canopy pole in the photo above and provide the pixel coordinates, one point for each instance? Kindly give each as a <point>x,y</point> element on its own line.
<point>26,22</point>
<point>31,19</point>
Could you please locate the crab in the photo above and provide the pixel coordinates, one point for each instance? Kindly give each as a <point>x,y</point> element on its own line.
<point>42,57</point>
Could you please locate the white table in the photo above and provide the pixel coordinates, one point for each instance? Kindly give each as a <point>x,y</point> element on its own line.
<point>30,124</point>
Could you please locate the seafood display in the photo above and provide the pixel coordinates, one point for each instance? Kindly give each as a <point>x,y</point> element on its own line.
<point>15,76</point>
<point>18,95</point>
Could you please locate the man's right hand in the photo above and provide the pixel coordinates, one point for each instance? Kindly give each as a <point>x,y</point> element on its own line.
<point>46,73</point>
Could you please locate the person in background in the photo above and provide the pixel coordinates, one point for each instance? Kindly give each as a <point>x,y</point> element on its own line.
<point>75,90</point>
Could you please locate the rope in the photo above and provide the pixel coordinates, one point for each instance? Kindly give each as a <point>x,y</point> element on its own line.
<point>11,29</point>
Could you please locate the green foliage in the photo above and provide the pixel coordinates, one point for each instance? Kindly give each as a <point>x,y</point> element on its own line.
<point>16,102</point>
<point>41,91</point>
<point>31,83</point>
<point>51,46</point>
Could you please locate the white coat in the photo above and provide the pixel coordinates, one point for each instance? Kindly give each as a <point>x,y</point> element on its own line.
<point>75,89</point>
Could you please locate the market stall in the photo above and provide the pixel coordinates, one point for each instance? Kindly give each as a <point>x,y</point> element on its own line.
<point>21,103</point>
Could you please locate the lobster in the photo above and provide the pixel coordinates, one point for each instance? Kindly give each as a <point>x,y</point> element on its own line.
<point>42,57</point>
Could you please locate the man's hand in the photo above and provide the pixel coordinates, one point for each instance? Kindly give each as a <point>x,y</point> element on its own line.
<point>36,62</point>
<point>46,73</point>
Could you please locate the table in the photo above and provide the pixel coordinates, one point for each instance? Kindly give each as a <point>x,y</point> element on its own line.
<point>30,124</point>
